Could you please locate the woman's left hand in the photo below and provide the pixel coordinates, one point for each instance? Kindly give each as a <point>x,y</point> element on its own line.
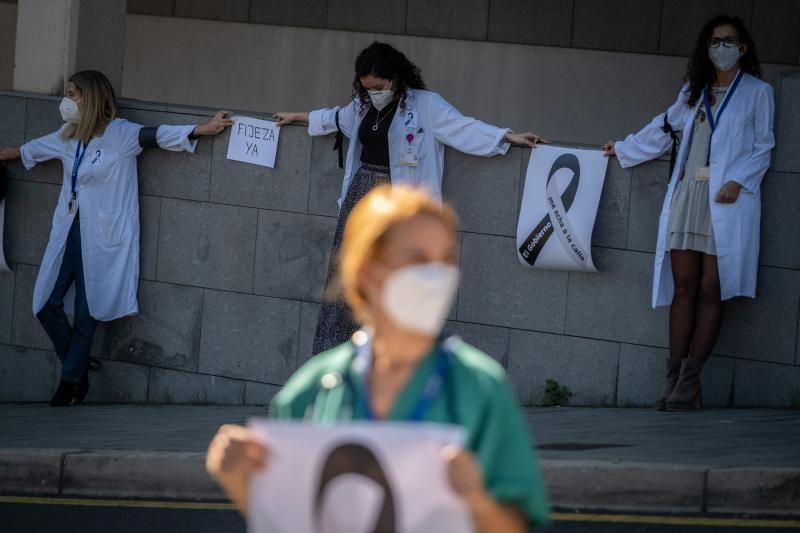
<point>525,139</point>
<point>216,125</point>
<point>729,193</point>
<point>466,478</point>
<point>465,475</point>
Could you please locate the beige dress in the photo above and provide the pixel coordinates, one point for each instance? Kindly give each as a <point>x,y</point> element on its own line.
<point>690,226</point>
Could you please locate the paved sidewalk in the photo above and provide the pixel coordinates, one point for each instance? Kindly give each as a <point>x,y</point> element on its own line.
<point>717,461</point>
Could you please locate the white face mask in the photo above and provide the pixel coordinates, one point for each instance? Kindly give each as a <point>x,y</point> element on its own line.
<point>724,58</point>
<point>381,99</point>
<point>69,111</point>
<point>418,297</point>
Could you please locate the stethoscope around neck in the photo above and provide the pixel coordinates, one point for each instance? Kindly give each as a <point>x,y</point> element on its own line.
<point>337,395</point>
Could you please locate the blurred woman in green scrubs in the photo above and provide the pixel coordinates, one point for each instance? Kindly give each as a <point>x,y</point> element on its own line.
<point>399,274</point>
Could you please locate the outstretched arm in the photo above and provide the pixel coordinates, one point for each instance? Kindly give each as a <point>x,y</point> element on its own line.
<point>651,141</point>
<point>324,121</point>
<point>173,138</point>
<point>36,151</point>
<point>470,135</point>
<point>9,154</point>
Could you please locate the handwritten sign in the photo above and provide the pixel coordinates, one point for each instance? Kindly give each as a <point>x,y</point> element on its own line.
<point>254,141</point>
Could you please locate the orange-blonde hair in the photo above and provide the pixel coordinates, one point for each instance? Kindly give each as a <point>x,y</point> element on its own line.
<point>368,225</point>
<point>98,105</point>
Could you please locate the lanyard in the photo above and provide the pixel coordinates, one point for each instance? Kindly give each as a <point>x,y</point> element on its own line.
<point>78,160</point>
<point>713,121</point>
<point>429,391</point>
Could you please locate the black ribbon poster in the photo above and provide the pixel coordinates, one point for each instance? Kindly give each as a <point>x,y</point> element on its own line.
<point>559,207</point>
<point>355,477</point>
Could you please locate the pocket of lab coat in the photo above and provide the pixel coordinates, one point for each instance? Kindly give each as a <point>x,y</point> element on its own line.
<point>112,227</point>
<point>737,122</point>
<point>420,145</point>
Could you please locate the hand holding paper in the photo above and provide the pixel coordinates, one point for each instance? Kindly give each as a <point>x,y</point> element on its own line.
<point>234,455</point>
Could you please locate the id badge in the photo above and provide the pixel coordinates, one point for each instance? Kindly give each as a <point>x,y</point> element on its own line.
<point>409,159</point>
<point>702,174</point>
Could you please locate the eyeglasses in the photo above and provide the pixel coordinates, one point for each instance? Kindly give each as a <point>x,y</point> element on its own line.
<point>727,42</point>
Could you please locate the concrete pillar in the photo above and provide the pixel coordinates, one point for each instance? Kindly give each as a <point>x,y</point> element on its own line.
<point>56,38</point>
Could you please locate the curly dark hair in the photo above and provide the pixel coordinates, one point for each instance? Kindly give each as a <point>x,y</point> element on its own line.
<point>700,71</point>
<point>385,61</point>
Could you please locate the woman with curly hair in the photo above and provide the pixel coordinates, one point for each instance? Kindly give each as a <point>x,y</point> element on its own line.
<point>708,236</point>
<point>397,131</point>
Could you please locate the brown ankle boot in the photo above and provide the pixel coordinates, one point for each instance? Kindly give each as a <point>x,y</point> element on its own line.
<point>688,392</point>
<point>673,371</point>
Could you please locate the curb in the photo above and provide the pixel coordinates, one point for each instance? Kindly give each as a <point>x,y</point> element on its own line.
<point>107,474</point>
<point>573,485</point>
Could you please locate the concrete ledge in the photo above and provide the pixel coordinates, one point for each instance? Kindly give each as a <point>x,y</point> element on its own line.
<point>120,474</point>
<point>605,485</point>
<point>573,485</point>
<point>754,490</point>
<point>32,471</point>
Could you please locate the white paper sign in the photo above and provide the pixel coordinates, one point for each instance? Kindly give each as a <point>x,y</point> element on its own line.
<point>559,207</point>
<point>254,141</point>
<point>3,264</point>
<point>355,478</point>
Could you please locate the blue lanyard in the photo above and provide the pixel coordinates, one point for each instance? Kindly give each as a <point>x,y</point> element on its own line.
<point>78,160</point>
<point>429,393</point>
<point>713,121</point>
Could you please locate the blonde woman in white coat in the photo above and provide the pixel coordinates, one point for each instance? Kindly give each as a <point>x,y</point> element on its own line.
<point>708,238</point>
<point>94,240</point>
<point>397,133</point>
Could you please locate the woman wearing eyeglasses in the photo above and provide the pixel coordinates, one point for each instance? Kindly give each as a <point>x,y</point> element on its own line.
<point>708,237</point>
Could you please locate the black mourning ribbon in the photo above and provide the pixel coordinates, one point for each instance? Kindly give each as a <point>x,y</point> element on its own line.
<point>355,458</point>
<point>338,144</point>
<point>533,245</point>
<point>676,142</point>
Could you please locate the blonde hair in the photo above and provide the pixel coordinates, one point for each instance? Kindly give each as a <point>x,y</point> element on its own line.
<point>368,225</point>
<point>98,105</point>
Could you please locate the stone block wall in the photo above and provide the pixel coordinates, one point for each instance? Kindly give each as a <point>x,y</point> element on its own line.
<point>233,259</point>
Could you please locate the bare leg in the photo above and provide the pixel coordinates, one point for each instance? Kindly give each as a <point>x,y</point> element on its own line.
<point>686,274</point>
<point>709,319</point>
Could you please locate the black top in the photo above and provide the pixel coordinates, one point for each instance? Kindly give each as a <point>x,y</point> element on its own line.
<point>375,142</point>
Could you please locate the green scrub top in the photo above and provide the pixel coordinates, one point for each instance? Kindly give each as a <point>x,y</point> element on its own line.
<point>474,395</point>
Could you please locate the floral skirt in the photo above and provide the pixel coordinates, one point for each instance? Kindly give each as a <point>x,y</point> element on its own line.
<point>336,324</point>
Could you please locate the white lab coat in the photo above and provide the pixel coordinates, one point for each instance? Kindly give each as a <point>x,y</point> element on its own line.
<point>108,200</point>
<point>740,152</point>
<point>431,120</point>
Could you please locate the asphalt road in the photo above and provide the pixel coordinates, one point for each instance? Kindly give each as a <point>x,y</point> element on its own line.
<point>48,516</point>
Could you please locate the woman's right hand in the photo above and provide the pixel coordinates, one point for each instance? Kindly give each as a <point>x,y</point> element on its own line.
<point>285,118</point>
<point>608,148</point>
<point>9,154</point>
<point>234,455</point>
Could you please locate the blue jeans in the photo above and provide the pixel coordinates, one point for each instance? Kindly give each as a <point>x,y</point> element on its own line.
<point>73,342</point>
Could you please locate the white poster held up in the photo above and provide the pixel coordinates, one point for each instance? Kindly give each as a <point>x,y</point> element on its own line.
<point>559,207</point>
<point>355,478</point>
<point>254,141</point>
